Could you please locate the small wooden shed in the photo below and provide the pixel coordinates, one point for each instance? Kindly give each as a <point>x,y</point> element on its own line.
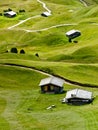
<point>73,34</point>
<point>52,85</point>
<point>78,97</point>
<point>46,14</point>
<point>10,14</point>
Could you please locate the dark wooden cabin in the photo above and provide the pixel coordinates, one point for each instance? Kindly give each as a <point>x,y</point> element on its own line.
<point>52,85</point>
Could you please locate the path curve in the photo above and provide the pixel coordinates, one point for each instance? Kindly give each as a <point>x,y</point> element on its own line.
<point>67,81</point>
<point>23,21</point>
<point>48,10</point>
<point>44,6</point>
<point>45,29</point>
<point>84,3</point>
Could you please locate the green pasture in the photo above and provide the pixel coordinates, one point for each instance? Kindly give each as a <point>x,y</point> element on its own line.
<point>22,106</point>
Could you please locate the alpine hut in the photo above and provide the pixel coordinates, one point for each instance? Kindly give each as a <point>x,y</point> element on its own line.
<point>46,14</point>
<point>73,34</point>
<point>78,97</point>
<point>52,85</point>
<point>10,14</point>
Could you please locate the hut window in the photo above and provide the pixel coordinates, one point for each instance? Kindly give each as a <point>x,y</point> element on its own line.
<point>73,95</point>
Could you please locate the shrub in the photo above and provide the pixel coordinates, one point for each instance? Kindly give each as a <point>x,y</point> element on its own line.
<point>0,14</point>
<point>75,41</point>
<point>22,51</point>
<point>6,51</point>
<point>14,50</point>
<point>37,55</point>
<point>5,10</point>
<point>20,11</point>
<point>9,9</point>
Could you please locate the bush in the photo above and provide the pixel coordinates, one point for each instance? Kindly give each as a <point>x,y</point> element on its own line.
<point>5,10</point>
<point>0,14</point>
<point>6,51</point>
<point>22,51</point>
<point>21,10</point>
<point>9,9</point>
<point>37,55</point>
<point>14,50</point>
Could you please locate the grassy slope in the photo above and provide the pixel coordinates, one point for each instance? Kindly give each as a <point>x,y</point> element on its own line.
<point>23,101</point>
<point>23,107</point>
<point>56,37</point>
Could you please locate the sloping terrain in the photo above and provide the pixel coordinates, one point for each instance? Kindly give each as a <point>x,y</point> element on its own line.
<point>22,106</point>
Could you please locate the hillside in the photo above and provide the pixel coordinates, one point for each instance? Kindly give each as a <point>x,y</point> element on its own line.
<point>22,106</point>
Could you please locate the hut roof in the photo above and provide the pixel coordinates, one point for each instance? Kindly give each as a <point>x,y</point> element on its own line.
<point>46,14</point>
<point>79,93</point>
<point>72,31</point>
<point>52,80</point>
<point>11,13</point>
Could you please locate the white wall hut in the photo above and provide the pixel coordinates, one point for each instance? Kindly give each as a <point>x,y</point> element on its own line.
<point>46,14</point>
<point>78,96</point>
<point>10,14</point>
<point>51,85</point>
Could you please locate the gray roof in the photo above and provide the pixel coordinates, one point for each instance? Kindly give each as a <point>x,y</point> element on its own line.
<point>11,13</point>
<point>71,32</point>
<point>52,80</point>
<point>46,13</point>
<point>79,93</point>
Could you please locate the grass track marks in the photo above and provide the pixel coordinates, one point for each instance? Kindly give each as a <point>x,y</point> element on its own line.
<point>4,125</point>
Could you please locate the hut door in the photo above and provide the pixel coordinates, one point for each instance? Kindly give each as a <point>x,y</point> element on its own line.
<point>46,88</point>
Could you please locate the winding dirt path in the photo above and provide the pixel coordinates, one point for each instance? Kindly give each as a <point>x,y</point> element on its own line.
<point>67,81</point>
<point>84,3</point>
<point>23,21</point>
<point>44,29</point>
<point>33,17</point>
<point>44,6</point>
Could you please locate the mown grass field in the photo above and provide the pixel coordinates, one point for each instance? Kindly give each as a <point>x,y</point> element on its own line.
<point>22,106</point>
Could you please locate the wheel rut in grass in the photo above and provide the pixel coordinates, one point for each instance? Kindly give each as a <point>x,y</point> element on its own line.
<point>67,81</point>
<point>90,119</point>
<point>4,124</point>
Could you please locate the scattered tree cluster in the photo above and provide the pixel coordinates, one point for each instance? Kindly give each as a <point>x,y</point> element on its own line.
<point>14,50</point>
<point>9,9</point>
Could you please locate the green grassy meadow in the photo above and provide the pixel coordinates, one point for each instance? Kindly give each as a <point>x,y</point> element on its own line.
<point>22,106</point>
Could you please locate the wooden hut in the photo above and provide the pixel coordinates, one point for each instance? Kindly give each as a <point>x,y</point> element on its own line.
<point>78,97</point>
<point>52,85</point>
<point>46,14</point>
<point>73,34</point>
<point>10,14</point>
